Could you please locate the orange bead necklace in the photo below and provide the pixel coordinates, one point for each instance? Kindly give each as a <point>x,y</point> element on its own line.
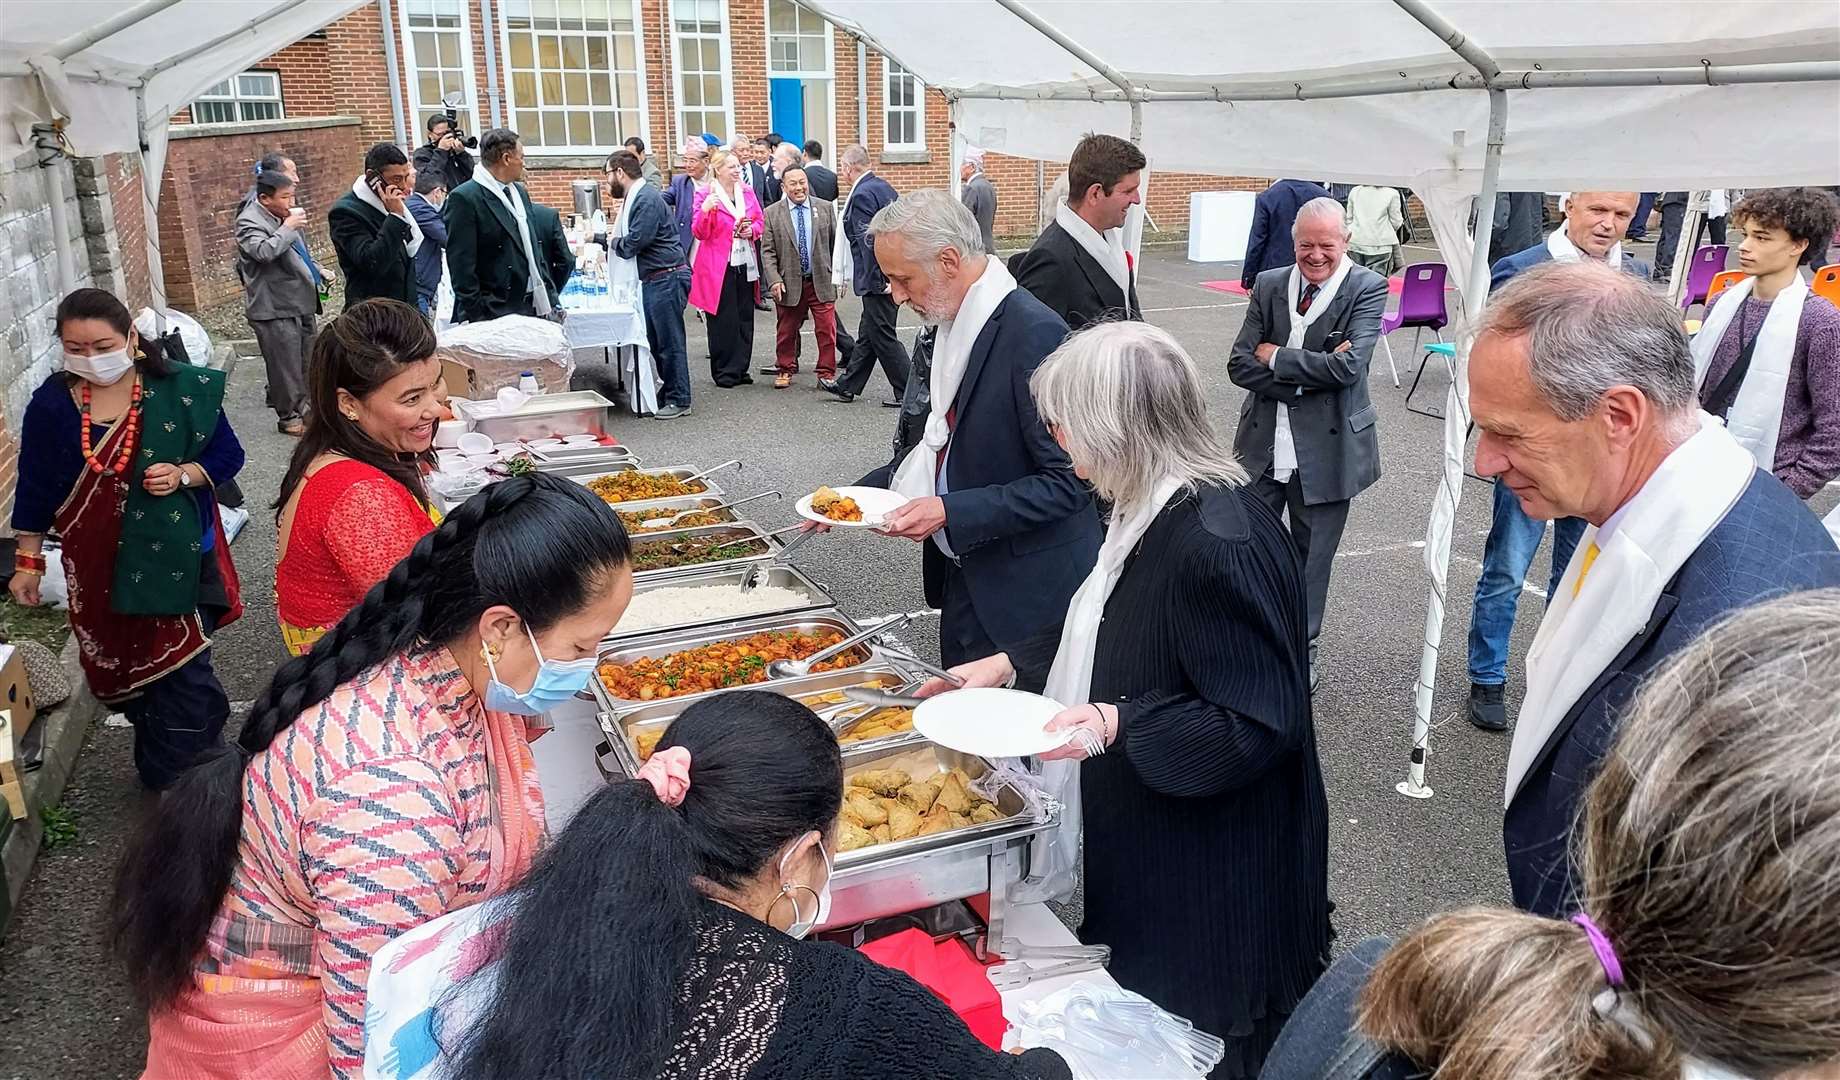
<point>132,419</point>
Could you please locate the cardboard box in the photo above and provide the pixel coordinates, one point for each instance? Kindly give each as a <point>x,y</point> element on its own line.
<point>15,694</point>
<point>459,378</point>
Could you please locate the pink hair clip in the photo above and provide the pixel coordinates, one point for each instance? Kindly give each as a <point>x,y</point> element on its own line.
<point>668,771</point>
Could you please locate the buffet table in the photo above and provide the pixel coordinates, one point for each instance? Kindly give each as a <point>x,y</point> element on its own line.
<point>616,326</point>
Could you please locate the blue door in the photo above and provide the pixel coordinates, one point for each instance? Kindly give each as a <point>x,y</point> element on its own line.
<point>786,98</point>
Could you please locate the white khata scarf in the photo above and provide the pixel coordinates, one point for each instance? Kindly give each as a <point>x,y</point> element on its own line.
<point>1755,418</point>
<point>1107,248</point>
<point>740,252</point>
<point>1283,443</point>
<point>369,198</point>
<point>1561,248</point>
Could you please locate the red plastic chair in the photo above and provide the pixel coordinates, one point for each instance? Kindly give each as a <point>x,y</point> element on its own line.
<point>1721,281</point>
<point>1421,306</point>
<point>1827,282</point>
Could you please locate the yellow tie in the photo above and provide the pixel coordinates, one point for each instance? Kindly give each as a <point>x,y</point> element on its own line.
<point>1590,556</point>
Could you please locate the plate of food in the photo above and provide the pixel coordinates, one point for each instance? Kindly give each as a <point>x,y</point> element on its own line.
<point>990,721</point>
<point>850,507</point>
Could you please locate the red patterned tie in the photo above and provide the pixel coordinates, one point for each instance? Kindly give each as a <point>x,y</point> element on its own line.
<point>1309,297</point>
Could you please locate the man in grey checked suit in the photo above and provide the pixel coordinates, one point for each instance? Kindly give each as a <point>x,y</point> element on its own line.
<point>1306,428</point>
<point>280,297</point>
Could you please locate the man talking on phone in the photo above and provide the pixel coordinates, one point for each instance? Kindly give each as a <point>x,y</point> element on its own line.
<point>1306,428</point>
<point>373,231</point>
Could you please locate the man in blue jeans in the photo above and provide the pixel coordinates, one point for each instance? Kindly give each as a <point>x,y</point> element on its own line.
<point>1594,225</point>
<point>664,277</point>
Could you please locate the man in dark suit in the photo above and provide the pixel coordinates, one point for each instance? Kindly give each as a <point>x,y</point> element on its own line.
<point>1583,390</point>
<point>280,297</point>
<point>822,180</point>
<point>1078,265</point>
<point>1007,531</point>
<point>875,337</point>
<point>553,252</point>
<point>1268,245</point>
<point>753,158</point>
<point>495,256</point>
<point>795,267</point>
<point>1593,227</point>
<point>685,193</point>
<point>1306,429</point>
<point>374,234</point>
<point>425,204</point>
<point>664,277</point>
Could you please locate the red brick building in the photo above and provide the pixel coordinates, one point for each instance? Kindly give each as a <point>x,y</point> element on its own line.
<point>574,78</point>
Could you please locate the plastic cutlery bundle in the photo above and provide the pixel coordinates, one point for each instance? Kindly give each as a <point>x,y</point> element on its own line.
<point>1107,1033</point>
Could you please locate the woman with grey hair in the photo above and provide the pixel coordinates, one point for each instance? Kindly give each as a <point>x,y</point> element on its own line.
<point>1184,661</point>
<point>1707,946</point>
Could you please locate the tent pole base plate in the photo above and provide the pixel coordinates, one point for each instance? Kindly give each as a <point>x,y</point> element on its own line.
<point>1411,790</point>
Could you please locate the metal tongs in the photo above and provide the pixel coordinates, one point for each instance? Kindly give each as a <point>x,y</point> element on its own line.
<point>1013,976</point>
<point>758,573</point>
<point>792,669</point>
<point>661,522</point>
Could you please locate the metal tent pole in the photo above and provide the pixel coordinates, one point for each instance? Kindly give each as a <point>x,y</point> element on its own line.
<point>1087,57</point>
<point>1456,411</point>
<point>109,27</point>
<point>211,43</point>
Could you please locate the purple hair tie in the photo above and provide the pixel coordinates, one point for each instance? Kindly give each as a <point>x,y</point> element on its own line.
<point>1600,944</point>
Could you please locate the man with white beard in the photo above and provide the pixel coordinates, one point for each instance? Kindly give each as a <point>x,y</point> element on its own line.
<point>1007,531</point>
<point>1306,428</point>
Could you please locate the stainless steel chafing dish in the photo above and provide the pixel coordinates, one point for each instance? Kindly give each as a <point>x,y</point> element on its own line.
<point>665,642</point>
<point>655,508</point>
<point>906,875</point>
<point>542,417</point>
<point>623,726</point>
<point>736,533</point>
<point>710,487</point>
<point>780,575</point>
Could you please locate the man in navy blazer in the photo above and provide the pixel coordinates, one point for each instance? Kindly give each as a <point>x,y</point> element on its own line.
<point>1583,389</point>
<point>1012,532</point>
<point>1594,224</point>
<point>1273,214</point>
<point>875,336</point>
<point>686,186</point>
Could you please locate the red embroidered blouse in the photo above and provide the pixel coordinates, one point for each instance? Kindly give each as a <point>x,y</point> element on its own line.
<point>352,525</point>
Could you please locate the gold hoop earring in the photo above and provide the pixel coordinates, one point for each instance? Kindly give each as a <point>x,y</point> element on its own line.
<point>787,893</point>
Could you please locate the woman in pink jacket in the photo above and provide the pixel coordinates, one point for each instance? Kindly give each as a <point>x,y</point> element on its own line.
<point>725,271</point>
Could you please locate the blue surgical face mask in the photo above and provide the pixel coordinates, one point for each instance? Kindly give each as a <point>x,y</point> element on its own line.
<point>557,681</point>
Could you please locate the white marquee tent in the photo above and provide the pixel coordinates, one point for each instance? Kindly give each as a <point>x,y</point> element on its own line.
<point>1453,98</point>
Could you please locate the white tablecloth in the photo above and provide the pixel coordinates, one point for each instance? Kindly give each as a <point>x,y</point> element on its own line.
<point>621,328</point>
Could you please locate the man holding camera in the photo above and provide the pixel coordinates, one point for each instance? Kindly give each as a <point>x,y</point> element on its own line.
<point>445,152</point>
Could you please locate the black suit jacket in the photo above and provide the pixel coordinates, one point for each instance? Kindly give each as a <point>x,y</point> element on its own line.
<point>1063,276</point>
<point>485,255</point>
<point>1768,544</point>
<point>823,182</point>
<point>553,252</point>
<point>761,181</point>
<point>1022,525</point>
<point>371,254</point>
<point>870,194</point>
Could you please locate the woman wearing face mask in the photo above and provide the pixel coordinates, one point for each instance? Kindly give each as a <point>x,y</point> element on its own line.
<point>353,503</point>
<point>725,271</point>
<point>660,937</point>
<point>119,452</point>
<point>382,780</point>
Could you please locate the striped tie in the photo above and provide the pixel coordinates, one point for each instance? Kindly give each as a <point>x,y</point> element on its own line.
<point>1590,556</point>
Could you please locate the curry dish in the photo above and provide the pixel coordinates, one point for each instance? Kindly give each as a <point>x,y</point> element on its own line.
<point>834,506</point>
<point>635,520</point>
<point>692,551</point>
<point>881,806</point>
<point>721,664</point>
<point>632,484</point>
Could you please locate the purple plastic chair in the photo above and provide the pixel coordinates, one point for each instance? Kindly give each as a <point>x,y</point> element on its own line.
<point>1421,306</point>
<point>1706,264</point>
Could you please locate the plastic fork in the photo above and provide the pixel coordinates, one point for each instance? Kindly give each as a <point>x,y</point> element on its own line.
<point>1013,976</point>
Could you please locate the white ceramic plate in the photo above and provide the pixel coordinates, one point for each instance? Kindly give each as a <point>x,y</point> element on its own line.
<point>990,722</point>
<point>876,504</point>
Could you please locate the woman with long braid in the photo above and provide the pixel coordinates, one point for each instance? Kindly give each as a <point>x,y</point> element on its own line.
<point>382,780</point>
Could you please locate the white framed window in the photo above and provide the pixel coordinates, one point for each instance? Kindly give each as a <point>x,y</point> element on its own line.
<point>700,28</point>
<point>438,46</point>
<point>244,98</point>
<point>798,41</point>
<point>575,81</point>
<point>904,102</point>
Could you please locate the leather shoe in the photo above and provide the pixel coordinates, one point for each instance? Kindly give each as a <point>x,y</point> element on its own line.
<point>1487,710</point>
<point>891,403</point>
<point>830,386</point>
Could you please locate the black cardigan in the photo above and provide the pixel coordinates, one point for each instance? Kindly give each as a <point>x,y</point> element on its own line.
<point>767,1007</point>
<point>1206,827</point>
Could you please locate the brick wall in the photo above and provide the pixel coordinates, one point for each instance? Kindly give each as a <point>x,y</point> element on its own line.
<point>29,295</point>
<point>208,169</point>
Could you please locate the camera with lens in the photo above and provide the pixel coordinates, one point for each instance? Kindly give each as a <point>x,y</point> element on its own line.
<point>450,104</point>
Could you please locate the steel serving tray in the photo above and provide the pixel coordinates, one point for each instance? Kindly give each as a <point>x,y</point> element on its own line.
<point>735,533</point>
<point>665,642</point>
<point>542,417</point>
<point>710,488</point>
<point>622,726</point>
<point>780,575</point>
<point>677,505</point>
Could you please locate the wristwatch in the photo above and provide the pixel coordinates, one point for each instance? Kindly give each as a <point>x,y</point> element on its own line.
<point>185,478</point>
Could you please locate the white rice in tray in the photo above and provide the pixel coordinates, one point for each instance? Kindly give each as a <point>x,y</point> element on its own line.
<point>678,605</point>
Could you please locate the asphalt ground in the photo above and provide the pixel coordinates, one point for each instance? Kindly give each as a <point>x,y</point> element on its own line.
<point>64,1012</point>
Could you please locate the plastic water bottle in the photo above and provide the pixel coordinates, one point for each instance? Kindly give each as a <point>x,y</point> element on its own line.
<point>527,382</point>
<point>571,293</point>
